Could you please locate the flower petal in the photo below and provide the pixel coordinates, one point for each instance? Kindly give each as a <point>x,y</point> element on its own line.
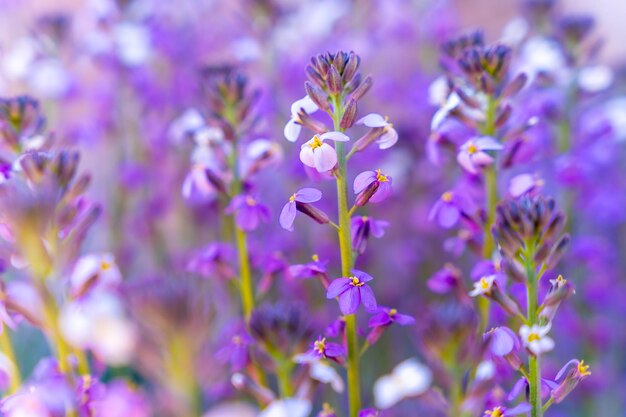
<point>337,287</point>
<point>288,215</point>
<point>308,195</point>
<point>336,136</point>
<point>367,297</point>
<point>350,300</point>
<point>362,276</point>
<point>363,180</point>
<point>292,130</point>
<point>488,143</point>
<point>306,104</point>
<point>306,156</point>
<point>372,120</point>
<point>325,158</point>
<point>388,139</point>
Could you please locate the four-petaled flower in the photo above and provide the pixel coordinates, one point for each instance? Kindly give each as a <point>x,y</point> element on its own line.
<point>371,186</point>
<point>319,155</point>
<point>288,213</point>
<point>483,286</point>
<point>294,127</point>
<point>472,155</point>
<point>536,338</point>
<point>389,136</point>
<point>386,316</point>
<point>321,349</point>
<point>249,212</point>
<point>448,209</point>
<point>500,411</point>
<point>362,227</point>
<point>352,291</point>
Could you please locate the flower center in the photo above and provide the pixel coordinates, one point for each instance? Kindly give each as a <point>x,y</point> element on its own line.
<point>237,340</point>
<point>315,142</point>
<point>320,346</point>
<point>471,148</point>
<point>560,281</point>
<point>393,312</point>
<point>250,201</point>
<point>496,412</point>
<point>355,282</point>
<point>533,336</point>
<point>447,196</point>
<point>583,369</point>
<point>484,284</point>
<point>315,257</point>
<point>105,266</point>
<point>380,177</point>
<point>292,198</point>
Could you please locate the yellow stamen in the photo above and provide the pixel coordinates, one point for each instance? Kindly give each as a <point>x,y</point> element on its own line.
<point>393,312</point>
<point>104,266</point>
<point>316,142</point>
<point>356,282</point>
<point>250,201</point>
<point>484,284</point>
<point>320,346</point>
<point>471,148</point>
<point>380,177</point>
<point>583,369</point>
<point>496,412</point>
<point>315,257</point>
<point>447,196</point>
<point>292,198</point>
<point>533,336</point>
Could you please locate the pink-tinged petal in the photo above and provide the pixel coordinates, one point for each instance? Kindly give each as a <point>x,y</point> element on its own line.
<point>464,160</point>
<point>367,298</point>
<point>336,136</point>
<point>372,120</point>
<point>481,159</point>
<point>448,215</point>
<point>306,156</point>
<point>384,191</point>
<point>404,320</point>
<point>488,143</point>
<point>308,195</point>
<point>380,319</point>
<point>338,286</point>
<point>246,219</point>
<point>287,216</point>
<point>292,130</point>
<point>521,184</point>
<point>362,276</point>
<point>349,301</point>
<point>306,104</point>
<point>377,228</point>
<point>325,158</point>
<point>501,342</point>
<point>564,368</point>
<point>388,139</point>
<point>363,180</point>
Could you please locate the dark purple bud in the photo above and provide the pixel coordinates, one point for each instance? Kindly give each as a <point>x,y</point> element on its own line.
<point>367,139</point>
<point>365,195</point>
<point>362,89</point>
<point>351,67</point>
<point>318,96</point>
<point>503,300</point>
<point>558,250</point>
<point>315,77</point>
<point>503,115</point>
<point>312,124</point>
<point>349,115</point>
<point>334,81</point>
<point>313,212</point>
<point>515,86</point>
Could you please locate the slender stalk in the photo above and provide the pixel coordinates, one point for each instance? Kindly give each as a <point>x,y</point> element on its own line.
<point>345,246</point>
<point>534,366</point>
<point>9,352</point>
<point>245,283</point>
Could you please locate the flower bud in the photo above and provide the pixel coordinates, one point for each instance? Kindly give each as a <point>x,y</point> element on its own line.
<point>351,67</point>
<point>364,196</point>
<point>317,95</point>
<point>334,81</point>
<point>349,114</point>
<point>362,89</point>
<point>313,212</point>
<point>515,86</point>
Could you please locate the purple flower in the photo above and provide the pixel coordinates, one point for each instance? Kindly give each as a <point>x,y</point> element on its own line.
<point>369,412</point>
<point>314,268</point>
<point>449,209</point>
<point>501,341</point>
<point>352,291</point>
<point>248,212</point>
<point>321,349</point>
<point>389,136</point>
<point>574,375</point>
<point>362,227</point>
<point>472,155</point>
<point>371,186</point>
<point>288,213</point>
<point>319,155</point>
<point>386,316</point>
<point>236,350</point>
<point>500,411</point>
<point>444,280</point>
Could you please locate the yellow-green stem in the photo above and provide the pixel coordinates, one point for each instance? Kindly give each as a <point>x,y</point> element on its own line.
<point>245,283</point>
<point>534,367</point>
<point>345,246</point>
<point>9,352</point>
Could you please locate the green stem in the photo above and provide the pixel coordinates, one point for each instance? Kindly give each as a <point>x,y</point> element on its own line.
<point>245,283</point>
<point>345,246</point>
<point>9,352</point>
<point>534,366</point>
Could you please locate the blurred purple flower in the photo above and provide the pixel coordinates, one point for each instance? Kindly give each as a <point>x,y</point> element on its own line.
<point>248,212</point>
<point>362,227</point>
<point>386,316</point>
<point>472,155</point>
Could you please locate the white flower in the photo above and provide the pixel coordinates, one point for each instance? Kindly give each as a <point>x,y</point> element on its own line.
<point>49,79</point>
<point>408,379</point>
<point>293,127</point>
<point>97,270</point>
<point>133,43</point>
<point>483,286</point>
<point>287,407</point>
<point>536,338</point>
<point>450,103</point>
<point>389,137</point>
<point>18,60</point>
<point>319,155</point>
<point>542,55</point>
<point>326,374</point>
<point>187,123</point>
<point>595,79</point>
